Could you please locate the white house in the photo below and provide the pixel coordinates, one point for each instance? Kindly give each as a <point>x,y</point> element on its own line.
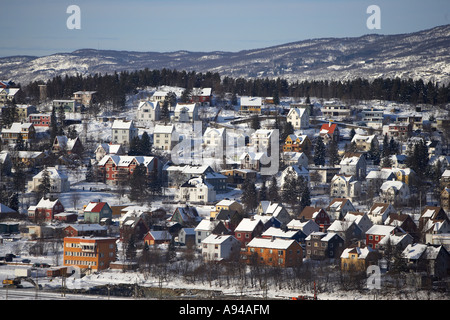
<point>163,136</point>
<point>196,190</point>
<point>395,192</point>
<point>123,132</point>
<point>204,229</point>
<point>338,208</point>
<point>148,111</point>
<point>220,247</point>
<point>364,142</point>
<point>298,118</point>
<point>274,209</point>
<point>295,158</point>
<point>261,140</point>
<point>307,227</point>
<point>361,219</point>
<point>345,186</point>
<point>295,172</point>
<point>186,112</point>
<point>104,149</point>
<point>379,212</point>
<point>354,164</point>
<point>214,138</point>
<point>59,182</point>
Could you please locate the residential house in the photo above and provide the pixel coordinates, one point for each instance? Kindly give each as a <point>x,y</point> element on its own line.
<point>214,141</point>
<point>445,198</point>
<point>118,168</point>
<point>345,186</point>
<point>185,216</point>
<point>395,192</point>
<point>248,229</point>
<point>174,176</point>
<point>354,164</point>
<point>377,232</point>
<point>273,252</point>
<point>432,221</point>
<point>24,111</point>
<point>67,105</point>
<point>89,253</point>
<point>156,237</point>
<point>196,190</point>
<point>294,172</point>
<point>399,131</point>
<point>404,221</point>
<point>85,230</point>
<point>207,227</point>
<point>305,226</point>
<point>338,208</point>
<point>329,131</point>
<point>85,98</point>
<point>122,132</point>
<point>397,240</point>
<point>358,259</point>
<point>186,237</point>
<point>148,112</point>
<point>274,209</point>
<point>202,96</point>
<point>261,140</point>
<point>318,215</point>
<point>25,130</point>
<point>104,149</point>
<point>230,218</point>
<point>164,137</point>
<point>45,209</point>
<point>298,118</point>
<point>297,143</point>
<point>347,230</point>
<point>186,113</point>
<point>398,161</point>
<point>379,212</point>
<point>373,117</point>
<point>252,160</point>
<point>364,142</point>
<point>294,158</point>
<point>133,226</point>
<point>334,110</point>
<point>7,95</point>
<point>434,260</point>
<point>220,248</point>
<point>59,181</point>
<point>97,211</point>
<point>236,177</point>
<point>322,245</point>
<point>277,233</point>
<point>40,119</point>
<point>226,204</point>
<point>251,105</point>
<point>375,178</point>
<point>68,145</point>
<point>361,219</point>
<point>66,217</point>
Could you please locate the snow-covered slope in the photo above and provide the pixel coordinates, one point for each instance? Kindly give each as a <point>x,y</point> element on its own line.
<point>423,54</point>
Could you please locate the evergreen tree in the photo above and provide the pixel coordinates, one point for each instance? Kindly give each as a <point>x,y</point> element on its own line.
<point>255,122</point>
<point>374,152</point>
<point>352,133</point>
<point>53,125</point>
<point>61,119</point>
<point>319,152</point>
<point>44,186</point>
<point>286,130</point>
<point>290,190</point>
<point>139,184</point>
<point>386,150</point>
<point>305,198</point>
<point>273,193</point>
<point>89,173</point>
<point>263,191</point>
<point>249,196</point>
<point>418,158</point>
<point>145,145</point>
<point>165,113</point>
<point>333,153</point>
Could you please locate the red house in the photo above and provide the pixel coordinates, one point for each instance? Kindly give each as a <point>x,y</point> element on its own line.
<point>45,209</point>
<point>248,229</point>
<point>40,119</point>
<point>157,237</point>
<point>202,96</point>
<point>329,131</point>
<point>378,232</point>
<point>318,215</point>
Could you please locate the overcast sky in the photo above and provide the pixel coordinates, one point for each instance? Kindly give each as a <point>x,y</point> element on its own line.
<point>39,28</point>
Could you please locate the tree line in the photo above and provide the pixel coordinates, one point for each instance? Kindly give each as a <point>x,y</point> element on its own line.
<point>113,88</point>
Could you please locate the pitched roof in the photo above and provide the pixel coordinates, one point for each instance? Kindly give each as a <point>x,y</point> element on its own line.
<point>311,212</point>
<point>270,243</point>
<point>95,206</point>
<point>328,128</point>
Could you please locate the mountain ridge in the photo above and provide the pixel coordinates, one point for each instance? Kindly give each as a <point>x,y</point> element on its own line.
<point>423,54</point>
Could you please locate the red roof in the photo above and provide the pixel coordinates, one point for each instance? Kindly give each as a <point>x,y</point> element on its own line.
<point>329,127</point>
<point>95,206</point>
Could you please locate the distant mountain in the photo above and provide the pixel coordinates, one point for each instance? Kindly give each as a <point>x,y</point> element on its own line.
<point>424,54</point>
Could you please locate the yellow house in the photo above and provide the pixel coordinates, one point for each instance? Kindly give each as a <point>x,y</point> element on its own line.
<point>357,258</point>
<point>226,205</point>
<point>404,175</point>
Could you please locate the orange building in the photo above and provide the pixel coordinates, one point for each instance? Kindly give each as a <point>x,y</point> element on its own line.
<point>95,253</point>
<point>273,252</point>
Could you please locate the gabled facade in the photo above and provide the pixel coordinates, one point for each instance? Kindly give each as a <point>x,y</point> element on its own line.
<point>379,212</point>
<point>148,112</point>
<point>186,112</point>
<point>318,215</point>
<point>220,248</point>
<point>298,118</point>
<point>122,132</point>
<point>354,164</point>
<point>45,209</point>
<point>248,229</point>
<point>322,245</point>
<point>95,212</point>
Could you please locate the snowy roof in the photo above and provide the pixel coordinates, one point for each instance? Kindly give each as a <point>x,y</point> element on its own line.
<point>361,252</point>
<point>197,182</point>
<point>46,203</point>
<point>363,138</point>
<point>94,206</point>
<point>414,251</point>
<point>160,235</point>
<point>201,92</point>
<point>350,158</point>
<point>150,104</point>
<point>298,111</point>
<point>247,225</point>
<point>163,129</point>
<point>189,107</point>
<point>397,185</point>
<point>122,124</point>
<point>17,127</point>
<point>53,174</point>
<point>270,243</point>
<point>251,101</point>
<point>88,227</point>
<point>253,155</point>
<point>277,232</point>
<point>217,239</point>
<point>206,225</point>
<point>339,226</point>
<point>214,131</point>
<point>378,229</point>
<point>124,161</point>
